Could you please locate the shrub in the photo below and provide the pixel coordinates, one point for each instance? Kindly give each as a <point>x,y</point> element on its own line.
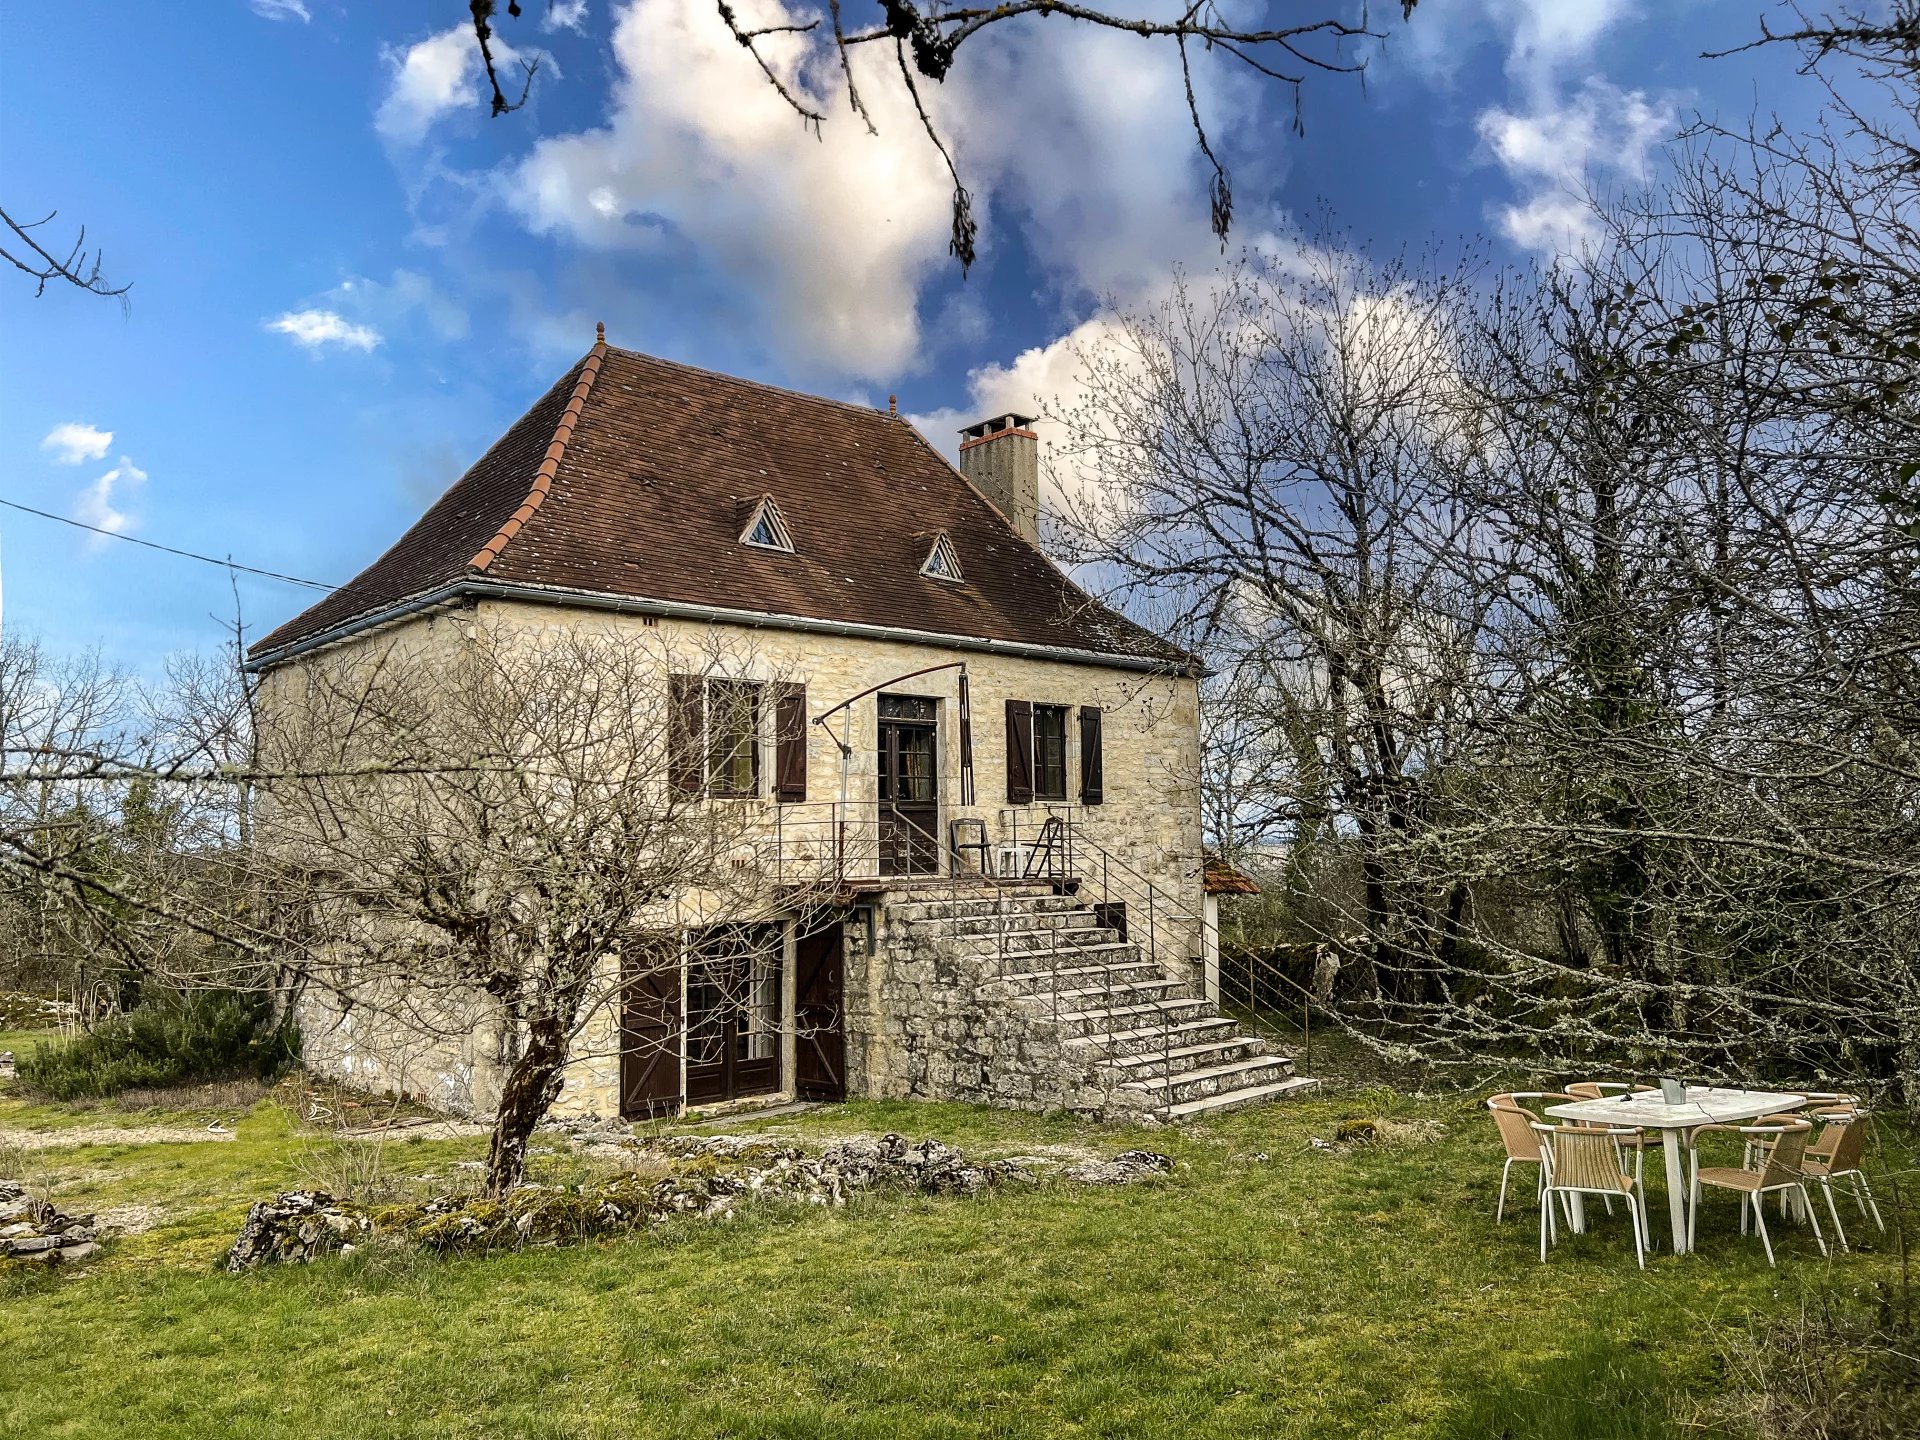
<point>202,1035</point>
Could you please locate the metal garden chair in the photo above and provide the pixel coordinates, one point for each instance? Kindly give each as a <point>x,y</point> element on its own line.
<point>1775,1157</point>
<point>1836,1155</point>
<point>1515,1123</point>
<point>1581,1160</point>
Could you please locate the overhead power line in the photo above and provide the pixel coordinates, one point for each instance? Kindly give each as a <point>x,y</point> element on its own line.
<point>171,550</point>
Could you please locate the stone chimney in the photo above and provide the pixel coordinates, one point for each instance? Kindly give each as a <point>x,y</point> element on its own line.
<point>1001,457</point>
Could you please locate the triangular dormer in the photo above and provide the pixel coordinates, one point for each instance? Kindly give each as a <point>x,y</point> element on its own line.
<point>942,562</point>
<point>766,529</point>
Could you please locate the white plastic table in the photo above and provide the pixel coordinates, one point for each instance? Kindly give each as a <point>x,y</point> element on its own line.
<point>1704,1105</point>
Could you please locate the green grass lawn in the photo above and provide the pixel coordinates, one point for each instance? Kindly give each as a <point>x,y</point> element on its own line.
<point>1266,1289</point>
<point>24,1042</point>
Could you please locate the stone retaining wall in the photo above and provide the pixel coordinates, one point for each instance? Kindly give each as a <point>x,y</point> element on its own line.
<point>926,1021</point>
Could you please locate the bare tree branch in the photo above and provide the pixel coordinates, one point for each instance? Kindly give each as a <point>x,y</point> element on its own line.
<point>77,268</point>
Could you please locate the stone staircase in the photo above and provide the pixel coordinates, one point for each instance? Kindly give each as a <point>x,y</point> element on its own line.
<point>1151,1035</point>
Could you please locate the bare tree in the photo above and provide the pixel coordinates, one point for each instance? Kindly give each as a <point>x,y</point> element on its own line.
<point>1579,675</point>
<point>1279,454</point>
<point>484,836</point>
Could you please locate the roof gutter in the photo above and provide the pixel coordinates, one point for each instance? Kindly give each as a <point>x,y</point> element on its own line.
<point>469,588</point>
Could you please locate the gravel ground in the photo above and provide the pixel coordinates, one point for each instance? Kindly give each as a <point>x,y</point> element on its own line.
<point>77,1135</point>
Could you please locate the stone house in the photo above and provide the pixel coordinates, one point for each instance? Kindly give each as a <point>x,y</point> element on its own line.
<point>984,783</point>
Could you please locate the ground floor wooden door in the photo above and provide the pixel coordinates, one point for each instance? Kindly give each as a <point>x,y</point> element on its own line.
<point>733,1012</point>
<point>650,1033</point>
<point>820,1059</point>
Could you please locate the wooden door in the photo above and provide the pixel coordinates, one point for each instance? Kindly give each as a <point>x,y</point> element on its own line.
<point>909,764</point>
<point>820,1062</point>
<point>733,1013</point>
<point>650,1034</point>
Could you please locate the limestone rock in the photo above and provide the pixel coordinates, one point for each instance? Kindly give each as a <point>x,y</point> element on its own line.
<point>295,1227</point>
<point>1129,1167</point>
<point>39,1231</point>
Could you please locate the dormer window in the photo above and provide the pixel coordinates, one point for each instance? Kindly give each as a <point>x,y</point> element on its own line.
<point>766,529</point>
<point>942,562</point>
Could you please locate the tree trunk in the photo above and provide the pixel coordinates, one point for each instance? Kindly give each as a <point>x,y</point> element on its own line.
<point>1907,1019</point>
<point>533,1084</point>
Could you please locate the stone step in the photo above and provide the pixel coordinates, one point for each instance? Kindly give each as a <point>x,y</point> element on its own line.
<point>988,946</point>
<point>1071,978</point>
<point>1211,1080</point>
<point>1118,1045</point>
<point>1125,994</point>
<point>1177,1059</point>
<point>1236,1099</point>
<point>970,908</point>
<point>971,887</point>
<point>1161,1014</point>
<point>1029,929</point>
<point>1111,954</point>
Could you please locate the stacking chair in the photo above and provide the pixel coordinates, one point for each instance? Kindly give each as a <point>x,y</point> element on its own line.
<point>1591,1160</point>
<point>1515,1123</point>
<point>1777,1154</point>
<point>1836,1155</point>
<point>1604,1089</point>
<point>1610,1090</point>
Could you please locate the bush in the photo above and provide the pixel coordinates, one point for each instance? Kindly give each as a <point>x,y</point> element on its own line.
<point>202,1035</point>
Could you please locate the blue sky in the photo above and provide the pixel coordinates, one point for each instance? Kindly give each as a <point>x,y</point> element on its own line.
<point>347,279</point>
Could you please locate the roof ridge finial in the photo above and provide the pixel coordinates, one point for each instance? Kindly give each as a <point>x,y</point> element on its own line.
<point>599,332</point>
<point>893,404</point>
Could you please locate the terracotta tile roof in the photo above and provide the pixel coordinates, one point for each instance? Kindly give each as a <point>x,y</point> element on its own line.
<point>1220,877</point>
<point>633,476</point>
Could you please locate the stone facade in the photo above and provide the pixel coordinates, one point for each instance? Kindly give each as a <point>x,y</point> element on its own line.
<point>1150,816</point>
<point>920,1021</point>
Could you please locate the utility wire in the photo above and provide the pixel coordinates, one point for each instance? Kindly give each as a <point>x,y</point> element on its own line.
<point>170,550</point>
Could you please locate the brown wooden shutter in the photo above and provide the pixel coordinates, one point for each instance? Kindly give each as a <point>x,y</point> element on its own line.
<point>687,733</point>
<point>1093,770</point>
<point>650,1028</point>
<point>1019,752</point>
<point>790,743</point>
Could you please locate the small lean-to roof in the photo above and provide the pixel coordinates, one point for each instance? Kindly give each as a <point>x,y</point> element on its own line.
<point>1221,877</point>
<point>633,477</point>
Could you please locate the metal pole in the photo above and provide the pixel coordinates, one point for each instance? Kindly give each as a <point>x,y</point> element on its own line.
<point>1000,926</point>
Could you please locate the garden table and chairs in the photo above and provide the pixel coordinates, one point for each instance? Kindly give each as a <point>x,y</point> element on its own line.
<point>1582,1160</point>
<point>1648,1110</point>
<point>1789,1143</point>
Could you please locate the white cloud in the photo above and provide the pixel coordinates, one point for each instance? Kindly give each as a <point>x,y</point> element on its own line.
<point>1556,152</point>
<point>281,10</point>
<point>1114,195</point>
<point>827,239</point>
<point>313,329</point>
<point>827,242</point>
<point>72,443</point>
<point>1564,131</point>
<point>566,15</point>
<point>386,305</point>
<point>1043,381</point>
<point>1543,39</point>
<point>438,75</point>
<point>98,504</point>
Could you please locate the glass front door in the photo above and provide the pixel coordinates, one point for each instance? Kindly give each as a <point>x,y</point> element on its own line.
<point>909,765</point>
<point>733,1013</point>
